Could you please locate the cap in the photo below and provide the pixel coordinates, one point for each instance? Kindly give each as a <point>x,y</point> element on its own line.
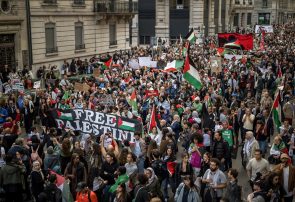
<point>81,186</point>
<point>284,156</point>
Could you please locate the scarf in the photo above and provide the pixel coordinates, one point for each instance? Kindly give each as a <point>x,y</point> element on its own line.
<point>153,177</point>
<point>248,146</point>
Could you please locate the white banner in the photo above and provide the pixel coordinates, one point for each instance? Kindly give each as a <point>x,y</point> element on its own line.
<point>266,28</point>
<point>146,61</point>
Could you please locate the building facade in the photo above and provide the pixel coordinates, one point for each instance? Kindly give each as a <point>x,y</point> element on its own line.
<point>66,29</point>
<point>13,34</point>
<point>247,13</point>
<point>170,19</point>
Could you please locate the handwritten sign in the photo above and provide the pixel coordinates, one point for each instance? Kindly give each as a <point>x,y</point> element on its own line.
<point>78,86</point>
<point>37,84</point>
<point>215,64</point>
<point>96,72</point>
<point>18,87</point>
<point>105,99</point>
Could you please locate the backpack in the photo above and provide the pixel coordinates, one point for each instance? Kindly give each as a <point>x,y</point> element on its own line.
<point>160,168</point>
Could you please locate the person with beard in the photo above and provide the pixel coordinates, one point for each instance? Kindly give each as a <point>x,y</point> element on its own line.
<point>215,181</point>
<point>258,195</point>
<point>287,176</point>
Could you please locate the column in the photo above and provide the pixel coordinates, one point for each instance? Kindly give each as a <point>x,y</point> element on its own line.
<point>211,17</point>
<point>219,16</point>
<point>196,14</point>
<point>162,19</point>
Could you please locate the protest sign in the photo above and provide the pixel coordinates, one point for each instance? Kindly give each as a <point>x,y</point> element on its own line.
<point>37,84</point>
<point>78,86</point>
<point>266,28</point>
<point>230,56</point>
<point>18,87</point>
<point>133,64</point>
<point>215,64</point>
<point>14,81</point>
<point>85,87</point>
<point>146,61</point>
<point>50,82</point>
<point>97,123</point>
<point>105,99</point>
<point>149,93</point>
<point>7,88</point>
<point>96,72</point>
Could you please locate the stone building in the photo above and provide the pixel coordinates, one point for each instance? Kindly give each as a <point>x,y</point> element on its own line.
<point>13,34</point>
<point>67,29</point>
<point>247,13</point>
<point>170,19</point>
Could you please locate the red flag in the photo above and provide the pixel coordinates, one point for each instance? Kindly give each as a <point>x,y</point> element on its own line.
<point>244,40</point>
<point>280,72</point>
<point>153,122</point>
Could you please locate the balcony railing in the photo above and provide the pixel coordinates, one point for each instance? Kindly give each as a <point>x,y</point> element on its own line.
<point>80,47</point>
<point>116,7</point>
<point>52,50</point>
<point>50,1</point>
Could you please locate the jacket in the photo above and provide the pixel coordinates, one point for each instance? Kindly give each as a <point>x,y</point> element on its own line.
<point>12,174</point>
<point>220,150</point>
<point>233,192</point>
<point>291,182</point>
<point>193,195</point>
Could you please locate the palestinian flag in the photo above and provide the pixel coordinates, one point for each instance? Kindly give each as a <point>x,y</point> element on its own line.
<point>59,179</point>
<point>125,125</point>
<point>222,51</point>
<point>191,37</point>
<point>276,108</point>
<point>133,102</point>
<point>233,45</point>
<point>191,74</point>
<point>107,63</point>
<point>154,121</point>
<point>174,66</point>
<point>65,116</point>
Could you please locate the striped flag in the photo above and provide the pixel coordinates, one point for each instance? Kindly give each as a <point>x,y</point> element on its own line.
<point>107,64</point>
<point>125,125</point>
<point>191,74</point>
<point>191,37</point>
<point>276,108</point>
<point>133,102</point>
<point>65,116</point>
<point>174,66</point>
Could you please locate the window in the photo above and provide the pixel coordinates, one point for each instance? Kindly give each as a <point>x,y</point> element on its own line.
<point>179,4</point>
<point>236,20</point>
<point>50,38</point>
<point>250,2</point>
<point>249,18</point>
<point>79,36</point>
<point>79,2</point>
<point>264,3</point>
<point>145,40</point>
<point>264,18</point>
<point>237,1</point>
<point>113,34</point>
<point>50,1</point>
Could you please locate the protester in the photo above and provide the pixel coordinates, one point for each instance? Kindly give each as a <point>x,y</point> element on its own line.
<point>129,130</point>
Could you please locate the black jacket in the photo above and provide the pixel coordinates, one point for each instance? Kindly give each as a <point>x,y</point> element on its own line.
<point>233,192</point>
<point>220,150</point>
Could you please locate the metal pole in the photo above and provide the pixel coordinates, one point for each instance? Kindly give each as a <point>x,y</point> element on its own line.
<point>28,15</point>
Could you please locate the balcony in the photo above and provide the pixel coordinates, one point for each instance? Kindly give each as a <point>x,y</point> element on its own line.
<point>116,8</point>
<point>79,2</point>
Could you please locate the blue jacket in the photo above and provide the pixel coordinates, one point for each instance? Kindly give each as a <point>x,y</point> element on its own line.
<point>3,115</point>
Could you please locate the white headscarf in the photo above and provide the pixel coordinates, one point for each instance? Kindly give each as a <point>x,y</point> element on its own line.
<point>153,177</point>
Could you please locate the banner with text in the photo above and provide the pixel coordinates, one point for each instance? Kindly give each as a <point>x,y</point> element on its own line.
<point>97,123</point>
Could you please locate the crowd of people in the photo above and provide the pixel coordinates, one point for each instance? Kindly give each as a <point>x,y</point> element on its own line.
<point>188,157</point>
